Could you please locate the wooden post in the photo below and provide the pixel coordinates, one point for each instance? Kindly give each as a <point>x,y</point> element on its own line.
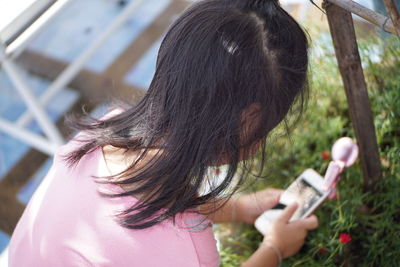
<point>346,50</point>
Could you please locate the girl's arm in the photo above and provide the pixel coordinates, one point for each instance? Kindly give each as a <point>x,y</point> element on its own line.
<point>224,214</point>
<point>242,208</point>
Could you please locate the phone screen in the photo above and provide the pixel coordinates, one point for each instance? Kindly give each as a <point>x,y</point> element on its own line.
<point>301,192</point>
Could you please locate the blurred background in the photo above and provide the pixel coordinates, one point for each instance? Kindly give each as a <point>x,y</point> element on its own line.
<point>109,48</point>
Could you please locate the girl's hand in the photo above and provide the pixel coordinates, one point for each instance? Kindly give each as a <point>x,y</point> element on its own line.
<point>246,208</point>
<point>287,236</point>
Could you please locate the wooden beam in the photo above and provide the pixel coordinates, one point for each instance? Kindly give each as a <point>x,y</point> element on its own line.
<point>367,14</point>
<point>394,14</point>
<point>10,211</point>
<point>346,50</point>
<point>94,86</point>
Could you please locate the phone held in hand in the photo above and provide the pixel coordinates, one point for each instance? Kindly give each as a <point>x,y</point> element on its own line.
<point>306,190</point>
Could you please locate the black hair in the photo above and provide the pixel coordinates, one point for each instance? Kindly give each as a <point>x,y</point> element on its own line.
<point>217,59</point>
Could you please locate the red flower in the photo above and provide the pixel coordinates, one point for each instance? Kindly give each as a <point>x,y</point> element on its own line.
<point>323,251</point>
<point>344,238</point>
<point>325,155</point>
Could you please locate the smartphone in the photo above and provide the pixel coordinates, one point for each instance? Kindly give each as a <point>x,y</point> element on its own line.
<point>306,190</point>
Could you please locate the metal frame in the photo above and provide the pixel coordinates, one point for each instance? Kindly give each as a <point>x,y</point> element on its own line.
<point>36,110</point>
<point>53,138</point>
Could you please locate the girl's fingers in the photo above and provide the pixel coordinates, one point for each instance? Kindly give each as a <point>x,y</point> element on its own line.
<point>272,192</point>
<point>269,193</point>
<point>310,223</point>
<point>265,199</point>
<point>288,213</point>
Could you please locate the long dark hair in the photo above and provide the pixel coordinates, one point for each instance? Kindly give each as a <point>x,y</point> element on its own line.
<point>218,58</point>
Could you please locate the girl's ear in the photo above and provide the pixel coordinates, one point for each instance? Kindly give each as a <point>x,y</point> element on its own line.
<point>250,120</point>
<point>251,114</point>
<point>250,123</point>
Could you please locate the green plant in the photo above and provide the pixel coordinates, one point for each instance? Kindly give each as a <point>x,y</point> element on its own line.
<point>371,219</point>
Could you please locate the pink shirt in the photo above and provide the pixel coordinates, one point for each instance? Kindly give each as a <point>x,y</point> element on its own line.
<point>67,223</point>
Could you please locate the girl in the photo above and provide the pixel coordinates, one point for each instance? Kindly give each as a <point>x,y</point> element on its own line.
<point>127,190</point>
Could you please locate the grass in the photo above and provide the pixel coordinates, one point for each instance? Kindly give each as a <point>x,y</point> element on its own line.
<point>371,219</point>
